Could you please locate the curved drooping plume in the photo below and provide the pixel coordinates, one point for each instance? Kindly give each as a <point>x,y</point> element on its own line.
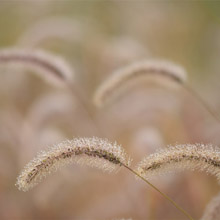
<point>181,157</point>
<point>95,152</point>
<point>49,66</point>
<point>212,211</point>
<point>163,72</point>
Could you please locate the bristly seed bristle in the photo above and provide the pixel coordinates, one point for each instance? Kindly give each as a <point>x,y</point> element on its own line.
<point>190,156</point>
<point>95,152</point>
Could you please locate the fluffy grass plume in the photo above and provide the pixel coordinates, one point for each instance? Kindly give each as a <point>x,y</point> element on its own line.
<point>190,156</point>
<point>49,66</point>
<point>212,211</point>
<point>94,152</point>
<point>163,72</point>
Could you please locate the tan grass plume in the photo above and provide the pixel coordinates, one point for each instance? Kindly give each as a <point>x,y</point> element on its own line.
<point>189,156</point>
<point>95,152</point>
<point>50,67</point>
<point>164,72</point>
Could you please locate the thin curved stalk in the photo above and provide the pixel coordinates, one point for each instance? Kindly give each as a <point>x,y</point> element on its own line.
<point>163,194</point>
<point>213,113</point>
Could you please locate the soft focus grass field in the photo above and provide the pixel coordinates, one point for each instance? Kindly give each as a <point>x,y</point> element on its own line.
<point>95,38</point>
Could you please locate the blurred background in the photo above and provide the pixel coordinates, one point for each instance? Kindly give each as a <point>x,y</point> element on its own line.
<point>96,38</point>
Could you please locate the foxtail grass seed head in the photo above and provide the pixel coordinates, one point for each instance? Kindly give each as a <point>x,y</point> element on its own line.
<point>94,152</point>
<point>182,157</point>
<point>163,72</point>
<point>50,67</point>
<point>212,211</point>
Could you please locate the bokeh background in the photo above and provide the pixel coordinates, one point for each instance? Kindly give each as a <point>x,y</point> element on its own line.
<point>96,38</point>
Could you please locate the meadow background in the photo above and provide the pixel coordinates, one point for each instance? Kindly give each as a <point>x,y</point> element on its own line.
<point>96,38</point>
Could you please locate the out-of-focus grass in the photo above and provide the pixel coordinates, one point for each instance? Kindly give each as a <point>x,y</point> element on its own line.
<point>183,32</point>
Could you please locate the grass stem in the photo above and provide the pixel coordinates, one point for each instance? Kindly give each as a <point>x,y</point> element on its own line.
<point>163,194</point>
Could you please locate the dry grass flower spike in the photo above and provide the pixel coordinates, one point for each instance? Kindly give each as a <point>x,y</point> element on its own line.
<point>94,152</point>
<point>50,67</point>
<point>164,72</point>
<point>189,156</point>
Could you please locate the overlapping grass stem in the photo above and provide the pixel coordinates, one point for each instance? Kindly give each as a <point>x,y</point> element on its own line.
<point>95,152</point>
<point>95,51</point>
<point>100,153</point>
